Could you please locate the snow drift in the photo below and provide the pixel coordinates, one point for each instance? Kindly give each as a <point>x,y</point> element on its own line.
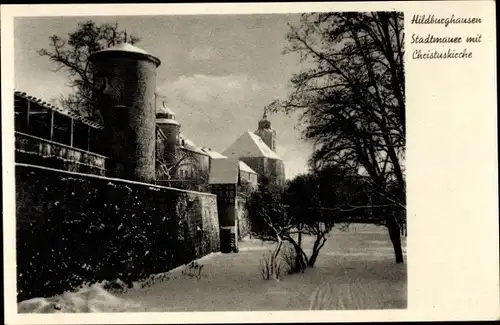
<point>89,299</point>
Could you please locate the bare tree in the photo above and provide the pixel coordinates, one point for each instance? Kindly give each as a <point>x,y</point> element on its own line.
<point>351,94</point>
<point>322,199</point>
<point>71,53</point>
<point>270,221</point>
<point>168,171</point>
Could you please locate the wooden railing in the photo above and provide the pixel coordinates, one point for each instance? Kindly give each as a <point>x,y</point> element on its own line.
<point>38,151</point>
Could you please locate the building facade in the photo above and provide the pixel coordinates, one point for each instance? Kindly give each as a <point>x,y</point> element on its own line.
<point>258,151</point>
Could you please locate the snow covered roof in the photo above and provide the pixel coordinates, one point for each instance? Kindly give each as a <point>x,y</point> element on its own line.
<point>126,48</point>
<point>250,145</point>
<point>245,168</point>
<point>212,154</point>
<point>224,171</point>
<point>160,120</point>
<point>165,115</point>
<point>164,109</point>
<point>190,145</point>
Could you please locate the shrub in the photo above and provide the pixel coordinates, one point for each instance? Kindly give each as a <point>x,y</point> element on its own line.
<point>193,270</point>
<point>271,266</point>
<point>288,257</point>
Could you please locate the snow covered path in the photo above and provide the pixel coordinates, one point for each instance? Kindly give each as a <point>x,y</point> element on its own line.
<point>355,270</point>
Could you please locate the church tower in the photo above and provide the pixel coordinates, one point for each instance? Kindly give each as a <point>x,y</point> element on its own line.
<point>266,133</point>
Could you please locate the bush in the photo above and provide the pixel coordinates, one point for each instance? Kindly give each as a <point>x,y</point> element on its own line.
<point>271,267</point>
<point>193,270</point>
<point>288,257</point>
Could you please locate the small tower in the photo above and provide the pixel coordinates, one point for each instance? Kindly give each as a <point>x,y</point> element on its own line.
<point>266,133</point>
<point>165,119</point>
<point>126,78</point>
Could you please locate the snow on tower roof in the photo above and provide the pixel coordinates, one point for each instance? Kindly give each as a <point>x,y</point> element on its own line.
<point>250,145</point>
<point>163,109</point>
<point>165,115</point>
<point>126,48</point>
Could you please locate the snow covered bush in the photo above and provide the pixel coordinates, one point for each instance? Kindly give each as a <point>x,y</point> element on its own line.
<point>193,270</point>
<point>272,266</point>
<point>289,257</point>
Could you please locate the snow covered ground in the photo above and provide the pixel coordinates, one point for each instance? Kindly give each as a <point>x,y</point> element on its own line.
<point>355,270</point>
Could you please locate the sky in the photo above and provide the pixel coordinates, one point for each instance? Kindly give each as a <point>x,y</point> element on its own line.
<point>218,72</point>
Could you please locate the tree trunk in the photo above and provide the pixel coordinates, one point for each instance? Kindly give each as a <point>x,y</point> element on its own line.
<point>278,248</point>
<point>299,261</point>
<point>313,258</point>
<point>300,257</point>
<point>318,244</point>
<point>274,259</point>
<point>395,235</point>
<point>299,241</point>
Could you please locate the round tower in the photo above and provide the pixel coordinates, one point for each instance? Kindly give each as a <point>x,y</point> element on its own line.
<point>266,133</point>
<point>165,119</point>
<point>126,77</point>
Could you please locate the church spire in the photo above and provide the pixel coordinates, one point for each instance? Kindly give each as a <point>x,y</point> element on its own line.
<point>264,123</point>
<point>267,134</point>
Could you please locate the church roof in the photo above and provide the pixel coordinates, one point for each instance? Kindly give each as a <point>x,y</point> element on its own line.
<point>245,168</point>
<point>250,145</point>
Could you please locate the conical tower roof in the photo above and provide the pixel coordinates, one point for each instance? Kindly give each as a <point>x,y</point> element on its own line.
<point>125,49</point>
<point>165,115</point>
